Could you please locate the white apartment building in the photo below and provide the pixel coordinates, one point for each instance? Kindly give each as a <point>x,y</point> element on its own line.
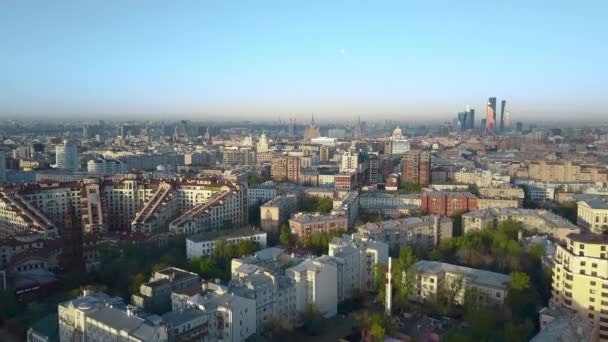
<point>359,256</point>
<point>261,193</point>
<point>425,231</point>
<point>96,317</point>
<point>316,283</point>
<point>231,317</point>
<point>349,162</point>
<point>199,245</point>
<point>106,167</point>
<point>432,277</point>
<point>275,297</point>
<point>66,156</point>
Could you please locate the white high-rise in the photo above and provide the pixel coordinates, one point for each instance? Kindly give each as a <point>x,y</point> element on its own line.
<point>66,156</point>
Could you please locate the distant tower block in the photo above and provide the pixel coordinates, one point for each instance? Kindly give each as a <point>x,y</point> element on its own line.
<point>389,288</point>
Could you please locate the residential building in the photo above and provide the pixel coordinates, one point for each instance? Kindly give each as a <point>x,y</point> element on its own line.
<point>447,203</point>
<point>559,171</point>
<point>275,298</point>
<point>345,181</point>
<point>389,205</point>
<point>285,168</point>
<point>304,225</point>
<point>417,167</point>
<point>424,232</point>
<point>230,316</point>
<point>316,283</point>
<point>358,256</point>
<point>347,206</point>
<point>98,317</point>
<point>592,214</point>
<point>434,278</point>
<point>580,279</point>
<point>106,167</point>
<point>562,325</point>
<point>277,211</point>
<point>66,156</point>
<point>534,220</point>
<point>155,295</point>
<point>200,245</point>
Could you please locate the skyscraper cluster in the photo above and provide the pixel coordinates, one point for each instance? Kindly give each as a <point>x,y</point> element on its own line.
<point>466,119</point>
<point>493,126</point>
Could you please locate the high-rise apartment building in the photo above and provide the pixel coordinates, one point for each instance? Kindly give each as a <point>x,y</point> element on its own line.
<point>417,167</point>
<point>66,156</point>
<point>491,116</point>
<point>285,168</point>
<point>580,279</point>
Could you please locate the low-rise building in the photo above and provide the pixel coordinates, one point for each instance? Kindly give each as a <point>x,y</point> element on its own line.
<point>155,295</point>
<point>390,205</point>
<point>200,245</point>
<point>535,220</point>
<point>593,214</point>
<point>304,225</point>
<point>434,278</point>
<point>425,231</point>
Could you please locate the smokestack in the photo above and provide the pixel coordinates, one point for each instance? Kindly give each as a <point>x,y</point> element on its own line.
<point>389,288</point>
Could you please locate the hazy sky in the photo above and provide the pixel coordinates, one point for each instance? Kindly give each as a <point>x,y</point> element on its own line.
<point>261,59</point>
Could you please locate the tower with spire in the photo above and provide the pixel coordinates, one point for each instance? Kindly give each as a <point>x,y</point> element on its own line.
<point>312,131</point>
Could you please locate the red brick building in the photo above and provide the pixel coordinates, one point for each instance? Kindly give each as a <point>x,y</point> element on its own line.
<point>447,203</point>
<point>345,181</point>
<point>417,167</point>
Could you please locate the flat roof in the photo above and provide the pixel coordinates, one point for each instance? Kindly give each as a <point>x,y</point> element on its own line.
<point>224,234</point>
<point>599,239</point>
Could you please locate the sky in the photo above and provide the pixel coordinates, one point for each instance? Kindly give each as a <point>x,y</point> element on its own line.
<point>261,59</point>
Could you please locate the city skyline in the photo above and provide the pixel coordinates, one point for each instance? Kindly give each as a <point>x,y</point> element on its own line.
<point>246,61</point>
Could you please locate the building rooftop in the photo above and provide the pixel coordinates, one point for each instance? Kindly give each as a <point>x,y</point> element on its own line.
<point>224,234</point>
<point>308,218</point>
<point>599,239</point>
<point>487,278</point>
<point>178,317</point>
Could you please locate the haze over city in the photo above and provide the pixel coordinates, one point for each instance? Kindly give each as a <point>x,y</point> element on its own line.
<point>270,171</point>
<point>337,59</point>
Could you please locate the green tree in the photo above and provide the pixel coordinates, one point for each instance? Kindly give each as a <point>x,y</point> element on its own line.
<point>286,238</point>
<point>253,179</point>
<point>518,332</point>
<point>409,187</point>
<point>325,205</point>
<point>136,282</point>
<point>483,324</point>
<point>520,281</point>
<point>377,331</point>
